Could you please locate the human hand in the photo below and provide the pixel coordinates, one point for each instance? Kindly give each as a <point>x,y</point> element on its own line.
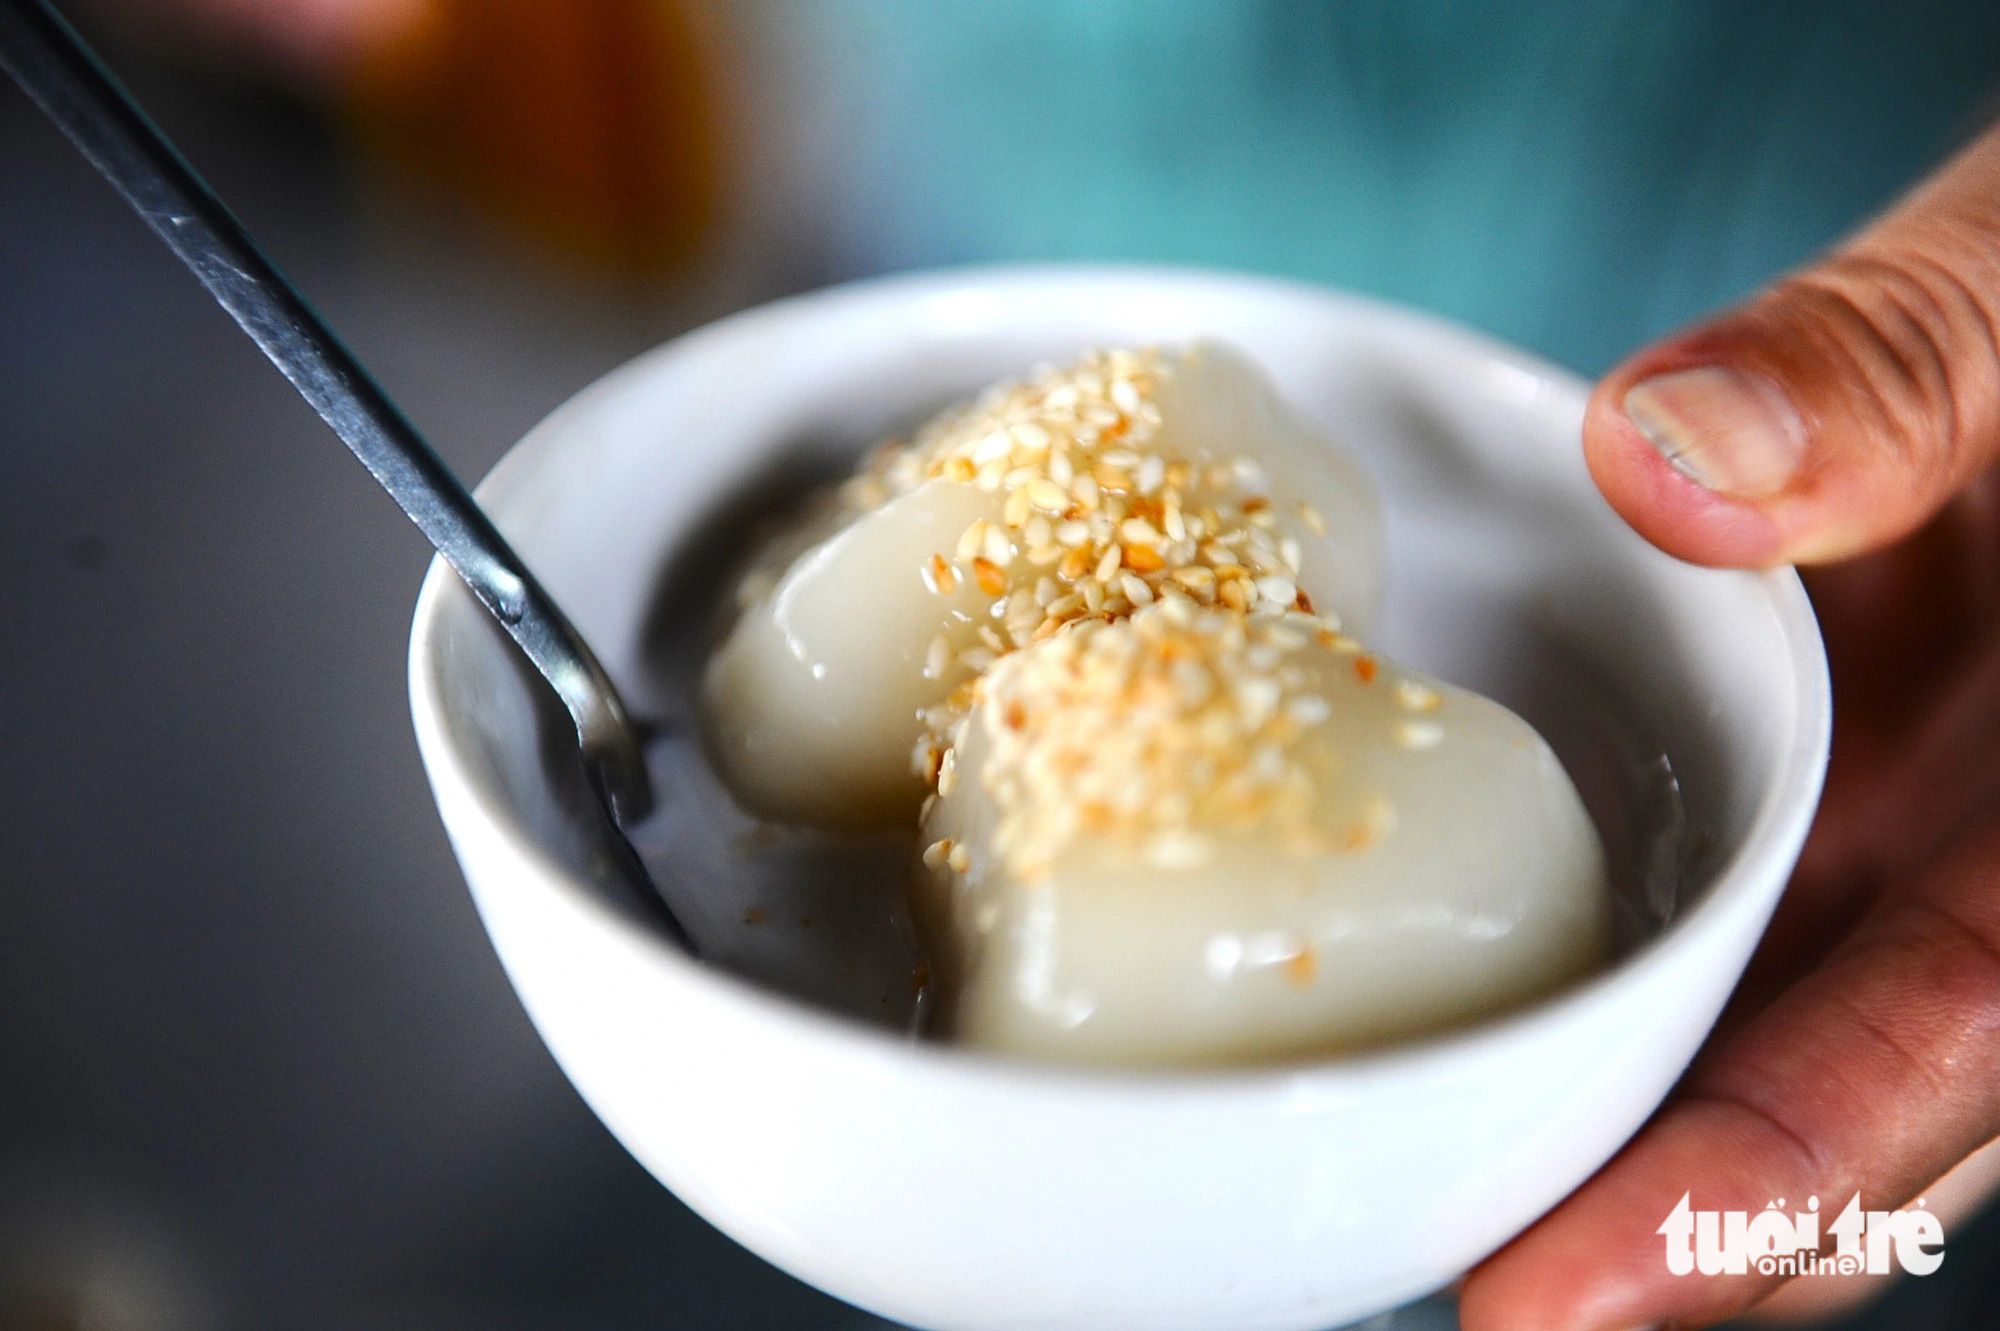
<point>1848,418</point>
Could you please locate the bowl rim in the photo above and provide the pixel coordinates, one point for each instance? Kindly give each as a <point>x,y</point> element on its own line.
<point>1775,834</point>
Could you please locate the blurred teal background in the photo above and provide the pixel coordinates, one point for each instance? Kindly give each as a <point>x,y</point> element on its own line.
<point>1574,176</point>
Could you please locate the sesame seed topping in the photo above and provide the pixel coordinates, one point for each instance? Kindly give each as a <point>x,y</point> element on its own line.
<point>1097,527</point>
<point>1414,697</point>
<point>1161,731</point>
<point>1419,734</point>
<point>1377,821</point>
<point>989,576</point>
<point>1045,494</point>
<point>940,577</point>
<point>937,658</point>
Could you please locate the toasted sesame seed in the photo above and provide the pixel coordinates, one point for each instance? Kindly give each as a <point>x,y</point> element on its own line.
<point>1412,696</point>
<point>1030,436</point>
<point>1258,696</point>
<point>1279,591</point>
<point>1179,851</point>
<point>995,546</point>
<point>958,857</point>
<point>1315,523</point>
<point>1138,531</point>
<point>1111,478</point>
<point>937,658</point>
<point>1377,821</point>
<point>940,577</point>
<point>1143,558</point>
<point>994,447</point>
<point>973,539</point>
<point>1308,709</point>
<point>1045,494</point>
<point>936,852</point>
<point>1364,668</point>
<point>989,577</point>
<point>1419,734</point>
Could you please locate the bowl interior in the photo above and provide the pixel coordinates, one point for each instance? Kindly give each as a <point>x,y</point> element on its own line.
<point>1681,700</point>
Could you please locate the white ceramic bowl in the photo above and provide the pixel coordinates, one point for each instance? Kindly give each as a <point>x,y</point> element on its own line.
<point>954,1191</point>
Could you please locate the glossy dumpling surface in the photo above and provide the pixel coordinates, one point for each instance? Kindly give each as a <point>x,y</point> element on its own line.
<point>1083,492</point>
<point>1197,838</point>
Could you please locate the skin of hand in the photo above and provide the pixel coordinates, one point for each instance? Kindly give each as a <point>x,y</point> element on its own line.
<point>1847,418</point>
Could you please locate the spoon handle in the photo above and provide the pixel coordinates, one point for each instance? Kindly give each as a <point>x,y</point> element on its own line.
<point>61,74</point>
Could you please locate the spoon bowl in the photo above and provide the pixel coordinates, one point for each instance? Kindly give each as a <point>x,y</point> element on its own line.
<point>950,1190</point>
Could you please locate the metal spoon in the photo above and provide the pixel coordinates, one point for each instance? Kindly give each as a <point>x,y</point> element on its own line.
<point>72,86</point>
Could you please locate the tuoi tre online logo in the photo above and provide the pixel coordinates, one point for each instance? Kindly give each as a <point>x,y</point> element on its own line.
<point>1774,1243</point>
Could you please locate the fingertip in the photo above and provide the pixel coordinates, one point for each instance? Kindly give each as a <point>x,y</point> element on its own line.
<point>1661,503</point>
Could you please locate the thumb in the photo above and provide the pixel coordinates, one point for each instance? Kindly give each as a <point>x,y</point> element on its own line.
<point>1833,412</point>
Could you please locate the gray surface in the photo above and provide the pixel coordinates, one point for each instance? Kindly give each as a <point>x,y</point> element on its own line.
<point>260,1067</point>
<point>259,1057</point>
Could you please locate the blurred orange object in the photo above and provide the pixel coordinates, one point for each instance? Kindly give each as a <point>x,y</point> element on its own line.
<point>592,125</point>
